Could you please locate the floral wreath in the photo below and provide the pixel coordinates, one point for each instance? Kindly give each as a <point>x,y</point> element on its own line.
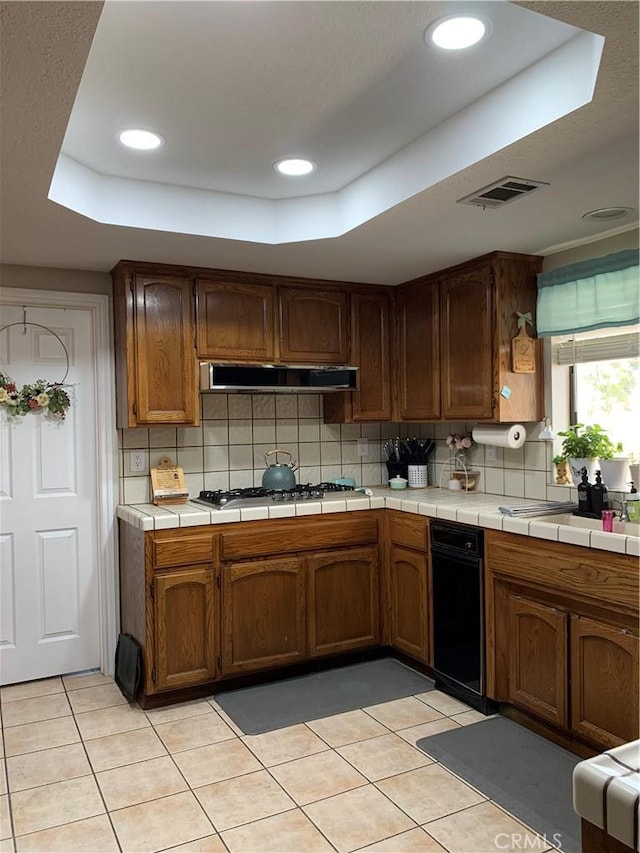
<point>41,396</point>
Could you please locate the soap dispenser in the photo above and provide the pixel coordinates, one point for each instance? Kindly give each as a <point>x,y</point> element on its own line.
<point>599,495</point>
<point>584,493</point>
<point>633,504</point>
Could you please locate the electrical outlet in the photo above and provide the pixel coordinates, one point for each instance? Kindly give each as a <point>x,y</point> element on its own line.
<point>490,454</point>
<point>138,462</point>
<point>363,447</point>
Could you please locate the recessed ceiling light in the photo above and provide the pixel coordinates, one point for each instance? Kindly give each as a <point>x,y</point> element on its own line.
<point>294,167</point>
<point>141,140</point>
<point>456,32</point>
<point>606,214</point>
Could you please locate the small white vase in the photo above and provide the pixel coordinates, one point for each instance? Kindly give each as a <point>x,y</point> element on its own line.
<point>576,465</point>
<point>616,474</point>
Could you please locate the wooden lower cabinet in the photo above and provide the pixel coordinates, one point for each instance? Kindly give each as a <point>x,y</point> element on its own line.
<point>562,636</point>
<point>263,614</point>
<point>537,676</point>
<point>604,682</point>
<point>184,604</point>
<point>409,602</point>
<point>343,611</point>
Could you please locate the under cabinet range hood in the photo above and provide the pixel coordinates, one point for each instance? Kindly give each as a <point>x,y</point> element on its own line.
<point>280,378</point>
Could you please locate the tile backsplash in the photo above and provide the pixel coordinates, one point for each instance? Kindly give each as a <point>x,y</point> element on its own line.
<point>227,449</point>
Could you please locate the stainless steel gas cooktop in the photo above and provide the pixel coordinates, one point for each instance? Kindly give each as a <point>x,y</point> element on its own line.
<point>257,496</point>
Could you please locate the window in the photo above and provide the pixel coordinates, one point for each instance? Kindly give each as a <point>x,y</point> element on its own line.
<point>602,372</point>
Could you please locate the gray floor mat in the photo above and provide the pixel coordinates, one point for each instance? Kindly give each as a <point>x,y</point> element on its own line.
<point>521,771</point>
<point>320,694</point>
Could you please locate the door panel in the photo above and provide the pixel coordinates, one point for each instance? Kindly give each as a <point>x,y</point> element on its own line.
<point>313,326</point>
<point>467,346</point>
<point>419,353</point>
<point>370,347</point>
<point>343,609</point>
<point>263,614</point>
<point>409,599</point>
<point>49,611</point>
<point>235,321</point>
<point>184,619</point>
<point>537,658</point>
<point>165,366</point>
<point>604,682</point>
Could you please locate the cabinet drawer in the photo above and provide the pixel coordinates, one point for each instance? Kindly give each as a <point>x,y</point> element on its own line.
<point>571,569</point>
<point>289,536</point>
<point>408,530</point>
<point>182,551</point>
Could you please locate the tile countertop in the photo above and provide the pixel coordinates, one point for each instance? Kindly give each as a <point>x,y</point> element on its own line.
<point>476,508</point>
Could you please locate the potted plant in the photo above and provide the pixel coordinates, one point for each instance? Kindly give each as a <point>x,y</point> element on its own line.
<point>583,446</point>
<point>615,470</point>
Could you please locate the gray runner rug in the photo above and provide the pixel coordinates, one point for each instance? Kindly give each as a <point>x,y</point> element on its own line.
<point>523,772</point>
<point>320,694</point>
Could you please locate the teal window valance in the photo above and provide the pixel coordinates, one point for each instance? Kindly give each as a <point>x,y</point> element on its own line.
<point>595,294</point>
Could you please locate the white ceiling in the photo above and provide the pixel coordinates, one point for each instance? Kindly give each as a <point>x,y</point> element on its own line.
<point>234,86</point>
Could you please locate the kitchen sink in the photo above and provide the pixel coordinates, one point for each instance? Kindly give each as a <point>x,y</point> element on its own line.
<point>629,528</point>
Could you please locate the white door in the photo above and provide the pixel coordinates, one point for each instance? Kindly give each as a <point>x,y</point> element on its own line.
<point>49,583</point>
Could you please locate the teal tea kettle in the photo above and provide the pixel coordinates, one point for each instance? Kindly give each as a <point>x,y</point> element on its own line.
<point>279,475</point>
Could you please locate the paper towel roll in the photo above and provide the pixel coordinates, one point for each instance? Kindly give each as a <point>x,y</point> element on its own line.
<point>513,436</point>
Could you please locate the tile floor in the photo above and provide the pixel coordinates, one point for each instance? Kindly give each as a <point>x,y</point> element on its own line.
<point>81,769</point>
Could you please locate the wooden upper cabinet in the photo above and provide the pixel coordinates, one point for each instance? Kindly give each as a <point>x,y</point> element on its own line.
<point>185,607</point>
<point>467,345</point>
<point>343,610</point>
<point>156,367</point>
<point>604,682</point>
<point>418,314</point>
<point>537,657</point>
<point>371,353</point>
<point>235,321</point>
<point>314,326</point>
<point>517,396</point>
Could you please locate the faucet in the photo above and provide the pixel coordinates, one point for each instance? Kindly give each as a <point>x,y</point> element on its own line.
<point>624,510</point>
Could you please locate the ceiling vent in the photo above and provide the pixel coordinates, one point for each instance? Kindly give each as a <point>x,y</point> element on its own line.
<point>502,192</point>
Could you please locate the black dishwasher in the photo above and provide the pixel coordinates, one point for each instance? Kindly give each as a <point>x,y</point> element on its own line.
<point>458,613</point>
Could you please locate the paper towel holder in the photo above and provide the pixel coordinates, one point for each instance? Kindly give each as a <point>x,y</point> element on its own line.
<point>500,435</point>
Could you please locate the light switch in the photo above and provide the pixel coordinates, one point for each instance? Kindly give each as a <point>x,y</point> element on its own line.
<point>490,453</point>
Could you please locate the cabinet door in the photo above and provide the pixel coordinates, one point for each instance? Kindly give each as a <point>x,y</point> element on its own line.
<point>165,358</point>
<point>343,605</point>
<point>313,326</point>
<point>263,620</point>
<point>409,602</point>
<point>604,682</point>
<point>467,346</point>
<point>184,611</point>
<point>419,353</point>
<point>370,352</point>
<point>537,657</point>
<point>235,321</point>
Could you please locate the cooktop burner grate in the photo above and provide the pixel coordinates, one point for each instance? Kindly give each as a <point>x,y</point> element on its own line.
<point>259,496</point>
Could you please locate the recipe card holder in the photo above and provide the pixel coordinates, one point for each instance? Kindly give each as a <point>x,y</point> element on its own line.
<point>167,483</point>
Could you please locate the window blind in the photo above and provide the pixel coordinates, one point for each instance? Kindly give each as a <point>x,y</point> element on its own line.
<point>597,349</point>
